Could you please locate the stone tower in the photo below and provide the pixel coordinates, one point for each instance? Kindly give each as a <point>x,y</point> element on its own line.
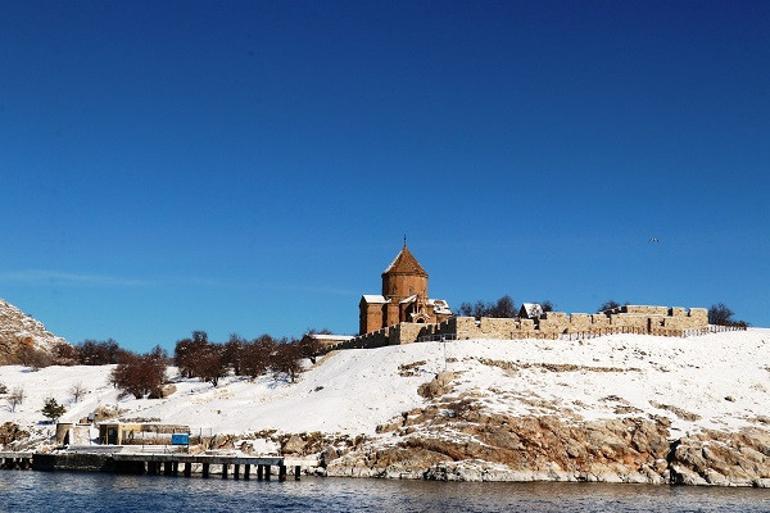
<point>404,277</point>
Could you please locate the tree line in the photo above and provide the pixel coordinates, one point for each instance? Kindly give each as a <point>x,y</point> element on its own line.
<point>198,357</point>
<point>504,307</point>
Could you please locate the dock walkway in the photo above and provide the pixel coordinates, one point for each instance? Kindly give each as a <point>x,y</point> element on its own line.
<point>151,463</point>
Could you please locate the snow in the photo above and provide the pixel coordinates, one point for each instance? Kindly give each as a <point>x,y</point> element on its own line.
<point>375,298</point>
<point>532,310</point>
<point>352,391</point>
<point>327,336</point>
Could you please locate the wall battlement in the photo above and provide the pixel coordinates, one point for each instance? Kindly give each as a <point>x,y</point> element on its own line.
<point>638,319</point>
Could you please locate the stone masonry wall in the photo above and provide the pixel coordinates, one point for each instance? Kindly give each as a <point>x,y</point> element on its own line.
<point>640,319</point>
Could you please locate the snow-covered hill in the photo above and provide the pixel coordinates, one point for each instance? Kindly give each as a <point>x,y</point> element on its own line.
<point>718,381</point>
<point>18,329</point>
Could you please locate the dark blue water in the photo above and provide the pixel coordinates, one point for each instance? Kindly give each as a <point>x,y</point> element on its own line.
<point>23,492</point>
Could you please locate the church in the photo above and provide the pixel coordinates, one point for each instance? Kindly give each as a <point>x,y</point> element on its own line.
<point>404,297</point>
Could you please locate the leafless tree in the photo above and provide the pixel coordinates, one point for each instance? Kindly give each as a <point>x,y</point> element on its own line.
<point>257,355</point>
<point>286,359</point>
<point>15,398</point>
<point>504,307</point>
<point>141,375</point>
<point>77,392</point>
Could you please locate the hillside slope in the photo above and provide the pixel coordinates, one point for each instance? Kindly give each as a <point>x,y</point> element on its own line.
<point>654,390</point>
<point>18,329</point>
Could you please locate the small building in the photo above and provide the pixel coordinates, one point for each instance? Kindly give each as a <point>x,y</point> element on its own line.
<point>139,433</point>
<point>69,433</point>
<point>531,311</point>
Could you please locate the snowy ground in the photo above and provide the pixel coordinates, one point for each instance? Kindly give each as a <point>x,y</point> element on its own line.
<point>715,381</point>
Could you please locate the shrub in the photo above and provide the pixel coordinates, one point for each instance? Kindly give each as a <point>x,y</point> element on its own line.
<point>53,410</point>
<point>3,389</point>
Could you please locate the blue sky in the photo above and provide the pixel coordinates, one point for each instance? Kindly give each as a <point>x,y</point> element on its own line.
<point>251,167</point>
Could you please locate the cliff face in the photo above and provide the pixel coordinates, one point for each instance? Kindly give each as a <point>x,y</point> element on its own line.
<point>18,331</point>
<point>458,440</point>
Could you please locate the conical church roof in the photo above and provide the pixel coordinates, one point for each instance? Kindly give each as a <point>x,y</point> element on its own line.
<point>405,263</point>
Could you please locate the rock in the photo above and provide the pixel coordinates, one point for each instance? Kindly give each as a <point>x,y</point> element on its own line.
<point>720,458</point>
<point>438,386</point>
<point>294,445</point>
<point>10,432</point>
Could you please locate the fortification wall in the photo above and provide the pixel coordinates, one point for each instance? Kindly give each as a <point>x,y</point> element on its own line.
<point>640,319</point>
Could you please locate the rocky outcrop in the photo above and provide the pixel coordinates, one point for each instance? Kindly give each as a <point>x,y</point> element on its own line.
<point>459,441</point>
<point>11,433</point>
<point>722,459</point>
<point>19,333</point>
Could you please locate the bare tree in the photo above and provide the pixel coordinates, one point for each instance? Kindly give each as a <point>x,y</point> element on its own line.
<point>77,391</point>
<point>141,375</point>
<point>286,360</point>
<point>608,305</point>
<point>257,355</point>
<point>233,352</point>
<point>504,307</point>
<point>210,364</point>
<point>547,306</point>
<point>721,315</point>
<point>16,397</point>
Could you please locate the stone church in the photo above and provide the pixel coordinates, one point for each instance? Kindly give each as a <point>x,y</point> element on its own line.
<point>404,297</point>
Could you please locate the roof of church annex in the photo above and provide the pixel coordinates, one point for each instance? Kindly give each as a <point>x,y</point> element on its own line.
<point>405,263</point>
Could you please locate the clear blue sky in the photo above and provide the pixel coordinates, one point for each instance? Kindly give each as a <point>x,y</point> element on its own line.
<point>250,168</point>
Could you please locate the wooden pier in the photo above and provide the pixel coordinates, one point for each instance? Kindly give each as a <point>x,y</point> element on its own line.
<point>174,464</point>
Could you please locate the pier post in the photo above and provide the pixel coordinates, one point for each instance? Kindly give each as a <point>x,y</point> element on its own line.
<point>175,468</point>
<point>205,470</point>
<point>167,468</point>
<point>224,470</point>
<point>187,469</point>
<point>236,471</point>
<point>282,472</point>
<point>260,472</point>
<point>268,470</point>
<point>246,471</point>
<point>296,472</point>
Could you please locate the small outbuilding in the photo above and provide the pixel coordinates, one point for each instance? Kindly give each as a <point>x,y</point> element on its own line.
<point>133,433</point>
<point>531,311</point>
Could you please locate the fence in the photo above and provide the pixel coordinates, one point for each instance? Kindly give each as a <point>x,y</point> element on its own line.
<point>599,332</point>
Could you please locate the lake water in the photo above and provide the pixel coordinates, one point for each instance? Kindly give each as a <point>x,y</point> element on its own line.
<point>38,492</point>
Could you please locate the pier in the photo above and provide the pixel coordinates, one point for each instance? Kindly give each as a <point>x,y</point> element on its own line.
<point>155,464</point>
